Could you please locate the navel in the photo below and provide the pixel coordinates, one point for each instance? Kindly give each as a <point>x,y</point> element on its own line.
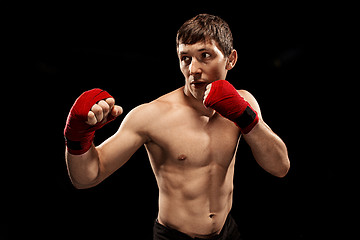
<point>181,157</point>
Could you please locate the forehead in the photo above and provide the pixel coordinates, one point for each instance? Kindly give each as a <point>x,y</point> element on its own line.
<point>209,45</point>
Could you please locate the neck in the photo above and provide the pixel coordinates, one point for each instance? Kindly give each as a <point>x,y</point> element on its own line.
<point>197,104</point>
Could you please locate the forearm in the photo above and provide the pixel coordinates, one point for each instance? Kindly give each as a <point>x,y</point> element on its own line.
<point>242,108</point>
<point>84,169</point>
<point>268,149</point>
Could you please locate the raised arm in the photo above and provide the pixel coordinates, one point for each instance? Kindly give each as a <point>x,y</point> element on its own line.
<point>242,108</point>
<point>89,165</point>
<point>268,149</point>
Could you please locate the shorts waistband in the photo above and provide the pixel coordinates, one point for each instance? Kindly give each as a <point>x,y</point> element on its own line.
<point>168,231</point>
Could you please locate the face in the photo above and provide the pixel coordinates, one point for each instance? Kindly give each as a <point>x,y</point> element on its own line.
<point>203,63</point>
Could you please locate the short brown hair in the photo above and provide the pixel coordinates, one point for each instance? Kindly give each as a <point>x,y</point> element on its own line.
<point>204,27</point>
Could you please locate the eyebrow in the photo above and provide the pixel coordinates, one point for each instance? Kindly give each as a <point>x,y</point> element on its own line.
<point>199,50</point>
<point>203,49</point>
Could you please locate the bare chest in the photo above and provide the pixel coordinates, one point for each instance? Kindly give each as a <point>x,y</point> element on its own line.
<point>194,142</point>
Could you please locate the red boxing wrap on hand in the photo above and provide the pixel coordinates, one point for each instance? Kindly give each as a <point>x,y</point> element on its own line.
<point>78,134</point>
<point>225,99</point>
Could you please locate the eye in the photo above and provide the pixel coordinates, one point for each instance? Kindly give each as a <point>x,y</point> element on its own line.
<point>205,55</point>
<point>186,59</point>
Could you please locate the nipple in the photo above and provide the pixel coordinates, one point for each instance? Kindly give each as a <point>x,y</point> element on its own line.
<point>181,157</point>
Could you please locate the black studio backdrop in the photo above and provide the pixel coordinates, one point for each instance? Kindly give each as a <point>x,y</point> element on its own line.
<point>133,57</point>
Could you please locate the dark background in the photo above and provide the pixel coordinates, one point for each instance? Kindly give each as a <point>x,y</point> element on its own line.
<point>288,55</point>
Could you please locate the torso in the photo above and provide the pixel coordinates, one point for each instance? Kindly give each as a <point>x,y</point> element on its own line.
<point>193,158</point>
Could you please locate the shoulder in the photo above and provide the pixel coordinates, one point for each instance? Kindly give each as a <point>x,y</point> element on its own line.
<point>148,113</point>
<point>250,99</point>
<point>163,104</point>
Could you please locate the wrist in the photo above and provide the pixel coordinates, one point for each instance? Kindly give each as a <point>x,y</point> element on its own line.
<point>81,145</point>
<point>247,120</point>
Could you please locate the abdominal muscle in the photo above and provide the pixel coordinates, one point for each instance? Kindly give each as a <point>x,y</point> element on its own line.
<point>195,201</point>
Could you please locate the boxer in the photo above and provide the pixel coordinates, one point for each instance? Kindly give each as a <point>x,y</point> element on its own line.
<point>191,136</point>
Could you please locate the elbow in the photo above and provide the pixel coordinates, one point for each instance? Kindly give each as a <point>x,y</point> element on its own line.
<point>282,173</point>
<point>83,185</point>
<point>283,163</point>
<point>80,186</point>
<point>283,169</point>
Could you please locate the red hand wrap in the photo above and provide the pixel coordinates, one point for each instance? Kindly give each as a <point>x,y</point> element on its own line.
<point>78,134</point>
<point>224,99</point>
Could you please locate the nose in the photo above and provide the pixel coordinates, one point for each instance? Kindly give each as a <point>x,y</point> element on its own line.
<point>195,67</point>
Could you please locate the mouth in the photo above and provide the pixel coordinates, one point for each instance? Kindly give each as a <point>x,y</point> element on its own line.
<point>198,85</point>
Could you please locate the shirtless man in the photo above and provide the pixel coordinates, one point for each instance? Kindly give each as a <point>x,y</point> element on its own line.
<point>191,137</point>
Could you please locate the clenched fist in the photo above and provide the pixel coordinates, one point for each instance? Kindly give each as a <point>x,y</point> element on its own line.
<point>100,111</point>
<point>90,112</point>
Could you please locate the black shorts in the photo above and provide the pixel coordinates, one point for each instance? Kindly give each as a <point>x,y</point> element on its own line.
<point>229,232</point>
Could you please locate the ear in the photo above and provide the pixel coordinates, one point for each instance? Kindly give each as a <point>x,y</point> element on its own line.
<point>231,60</point>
